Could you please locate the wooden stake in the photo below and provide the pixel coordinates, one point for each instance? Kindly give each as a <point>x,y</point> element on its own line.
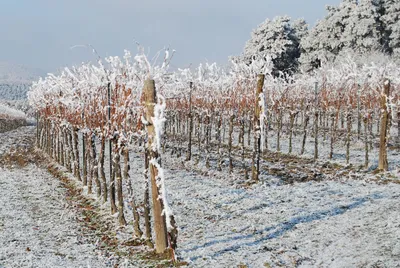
<point>383,161</point>
<point>160,227</point>
<point>257,129</point>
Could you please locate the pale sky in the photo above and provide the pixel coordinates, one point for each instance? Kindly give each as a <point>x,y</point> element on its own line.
<point>40,33</point>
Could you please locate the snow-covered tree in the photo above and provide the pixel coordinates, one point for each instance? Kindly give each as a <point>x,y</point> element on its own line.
<point>362,32</point>
<point>278,38</point>
<point>358,26</point>
<point>327,38</point>
<point>391,21</point>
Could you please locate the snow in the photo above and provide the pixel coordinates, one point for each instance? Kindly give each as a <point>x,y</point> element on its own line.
<point>326,224</point>
<point>38,229</point>
<point>11,91</point>
<point>37,226</point>
<point>339,222</point>
<point>8,112</point>
<point>163,192</point>
<point>334,223</point>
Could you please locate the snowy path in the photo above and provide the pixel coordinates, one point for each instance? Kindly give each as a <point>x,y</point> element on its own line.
<point>37,229</point>
<point>327,224</point>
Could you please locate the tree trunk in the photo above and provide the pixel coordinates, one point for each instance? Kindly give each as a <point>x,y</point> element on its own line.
<point>384,132</point>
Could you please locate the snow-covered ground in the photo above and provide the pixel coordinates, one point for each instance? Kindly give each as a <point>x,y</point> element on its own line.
<point>37,229</point>
<point>342,223</point>
<point>41,225</point>
<point>334,223</point>
<point>8,112</point>
<point>339,222</point>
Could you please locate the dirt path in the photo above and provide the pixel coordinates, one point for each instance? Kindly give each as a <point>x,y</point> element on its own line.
<point>37,229</point>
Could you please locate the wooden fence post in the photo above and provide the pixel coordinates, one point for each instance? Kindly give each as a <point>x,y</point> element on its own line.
<point>37,129</point>
<point>257,129</point>
<point>383,161</point>
<point>160,227</point>
<point>111,170</point>
<point>84,160</point>
<point>316,114</point>
<point>190,115</point>
<point>358,112</point>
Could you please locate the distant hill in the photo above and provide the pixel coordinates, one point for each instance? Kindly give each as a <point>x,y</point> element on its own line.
<point>18,74</point>
<point>15,80</point>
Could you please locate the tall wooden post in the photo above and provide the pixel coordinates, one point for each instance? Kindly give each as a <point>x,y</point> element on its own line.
<point>76,151</point>
<point>111,174</point>
<point>160,227</point>
<point>316,114</point>
<point>366,142</point>
<point>383,161</point>
<point>37,129</point>
<point>84,159</point>
<point>257,129</point>
<point>190,115</point>
<point>358,112</point>
<point>348,135</point>
<point>230,142</point>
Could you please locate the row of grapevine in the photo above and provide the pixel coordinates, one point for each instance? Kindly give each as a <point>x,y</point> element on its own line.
<point>105,104</point>
<point>92,112</point>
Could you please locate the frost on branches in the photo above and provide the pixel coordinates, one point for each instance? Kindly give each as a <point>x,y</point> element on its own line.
<point>279,39</point>
<point>365,26</point>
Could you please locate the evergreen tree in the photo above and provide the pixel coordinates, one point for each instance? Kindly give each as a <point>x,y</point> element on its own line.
<point>329,36</point>
<point>356,26</point>
<point>278,39</point>
<point>391,21</point>
<point>362,32</point>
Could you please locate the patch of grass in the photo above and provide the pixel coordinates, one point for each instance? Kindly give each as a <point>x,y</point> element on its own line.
<point>21,156</point>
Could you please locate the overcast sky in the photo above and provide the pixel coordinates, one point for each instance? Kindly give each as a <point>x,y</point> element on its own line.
<point>40,33</point>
